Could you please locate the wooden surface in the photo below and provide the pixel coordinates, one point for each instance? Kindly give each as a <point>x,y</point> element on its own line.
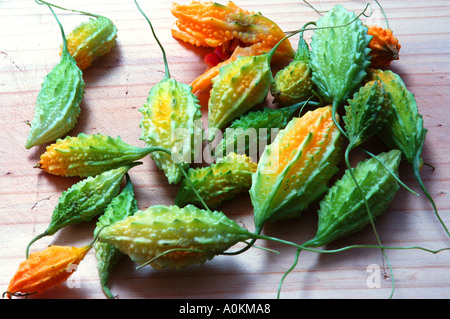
<point>116,87</point>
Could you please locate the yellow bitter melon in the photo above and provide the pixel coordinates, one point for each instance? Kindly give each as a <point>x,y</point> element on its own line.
<point>169,120</point>
<point>294,170</point>
<point>293,83</point>
<point>91,39</point>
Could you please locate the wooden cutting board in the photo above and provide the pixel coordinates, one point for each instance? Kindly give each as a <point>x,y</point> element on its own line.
<point>117,86</point>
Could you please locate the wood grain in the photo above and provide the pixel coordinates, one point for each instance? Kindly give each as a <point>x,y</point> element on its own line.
<point>116,87</point>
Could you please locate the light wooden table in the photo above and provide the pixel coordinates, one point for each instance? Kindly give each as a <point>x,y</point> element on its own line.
<point>116,87</point>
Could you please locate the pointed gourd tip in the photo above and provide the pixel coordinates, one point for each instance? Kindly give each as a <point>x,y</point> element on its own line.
<point>30,143</point>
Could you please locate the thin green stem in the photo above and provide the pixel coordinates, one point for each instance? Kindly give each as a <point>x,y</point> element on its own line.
<point>311,6</point>
<point>193,187</point>
<point>192,250</point>
<point>274,49</point>
<point>416,168</point>
<point>166,65</point>
<point>288,272</point>
<point>384,14</point>
<point>34,240</point>
<point>334,111</point>
<point>392,173</point>
<point>320,97</point>
<point>336,122</point>
<point>350,170</point>
<point>307,102</point>
<point>332,251</point>
<point>249,245</point>
<point>165,150</point>
<point>240,251</point>
<point>366,203</point>
<point>325,11</point>
<point>371,11</point>
<point>66,9</point>
<point>91,244</point>
<point>304,28</point>
<point>65,49</point>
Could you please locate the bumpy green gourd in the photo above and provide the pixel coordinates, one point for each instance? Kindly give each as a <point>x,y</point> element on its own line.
<point>89,155</point>
<point>169,121</point>
<point>91,39</point>
<point>343,210</point>
<point>58,101</point>
<point>366,113</point>
<point>347,209</point>
<point>85,200</point>
<point>173,237</point>
<point>247,133</point>
<point>404,129</point>
<point>293,83</point>
<point>240,86</point>
<point>339,55</point>
<point>121,206</point>
<point>295,168</point>
<point>221,181</point>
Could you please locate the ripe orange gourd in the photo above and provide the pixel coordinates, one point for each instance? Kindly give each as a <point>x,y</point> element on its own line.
<point>46,269</point>
<point>384,45</point>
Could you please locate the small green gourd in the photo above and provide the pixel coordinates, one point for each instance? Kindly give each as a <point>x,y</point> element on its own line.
<point>219,182</point>
<point>92,39</point>
<point>366,113</point>
<point>85,200</point>
<point>339,55</point>
<point>293,83</point>
<point>121,206</point>
<point>89,40</point>
<point>58,101</point>
<point>171,108</point>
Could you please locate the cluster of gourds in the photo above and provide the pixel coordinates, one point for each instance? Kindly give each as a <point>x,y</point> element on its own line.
<point>342,68</point>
